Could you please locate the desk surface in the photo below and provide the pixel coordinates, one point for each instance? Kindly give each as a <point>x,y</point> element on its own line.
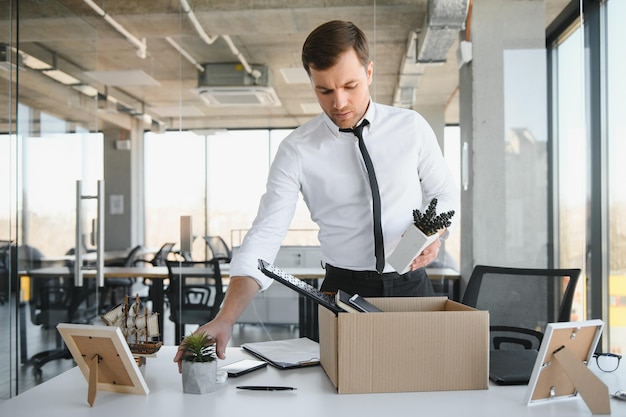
<point>161,272</point>
<point>315,396</point>
<point>108,272</point>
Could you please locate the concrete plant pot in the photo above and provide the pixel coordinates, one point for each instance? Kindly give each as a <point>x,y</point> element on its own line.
<point>199,377</point>
<point>412,243</point>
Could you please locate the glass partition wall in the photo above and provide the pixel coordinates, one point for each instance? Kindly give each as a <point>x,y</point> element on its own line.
<point>45,151</point>
<point>7,211</point>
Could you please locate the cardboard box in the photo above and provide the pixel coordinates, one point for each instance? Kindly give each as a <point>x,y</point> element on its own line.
<point>416,344</point>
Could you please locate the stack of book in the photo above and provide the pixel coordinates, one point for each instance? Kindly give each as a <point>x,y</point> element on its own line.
<point>355,303</point>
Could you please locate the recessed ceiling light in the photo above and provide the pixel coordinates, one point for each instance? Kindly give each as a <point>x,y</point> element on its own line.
<point>295,75</point>
<point>123,78</point>
<point>62,77</point>
<point>34,63</point>
<point>86,90</point>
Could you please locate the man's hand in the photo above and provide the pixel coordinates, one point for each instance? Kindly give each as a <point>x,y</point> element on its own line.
<point>241,290</point>
<point>222,332</point>
<point>427,256</point>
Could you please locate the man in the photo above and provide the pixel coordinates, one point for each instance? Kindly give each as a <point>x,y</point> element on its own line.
<point>329,168</point>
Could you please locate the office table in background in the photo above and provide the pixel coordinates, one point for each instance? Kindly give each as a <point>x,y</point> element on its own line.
<point>446,282</point>
<point>157,274</point>
<point>315,396</point>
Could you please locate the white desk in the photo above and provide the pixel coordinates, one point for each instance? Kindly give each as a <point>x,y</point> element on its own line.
<point>66,395</point>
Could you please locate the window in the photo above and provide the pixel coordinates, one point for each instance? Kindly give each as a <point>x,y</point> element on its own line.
<point>571,160</point>
<point>218,180</point>
<point>616,38</point>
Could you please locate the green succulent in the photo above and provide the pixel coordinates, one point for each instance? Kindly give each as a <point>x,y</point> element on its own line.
<point>429,222</point>
<point>199,347</point>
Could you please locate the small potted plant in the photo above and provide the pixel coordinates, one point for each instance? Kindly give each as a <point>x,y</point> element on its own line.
<point>418,236</point>
<point>199,363</point>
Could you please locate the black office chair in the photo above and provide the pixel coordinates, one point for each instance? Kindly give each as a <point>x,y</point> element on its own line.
<point>115,289</point>
<point>160,259</point>
<point>57,300</point>
<point>521,302</point>
<point>5,260</point>
<point>195,293</point>
<point>218,248</point>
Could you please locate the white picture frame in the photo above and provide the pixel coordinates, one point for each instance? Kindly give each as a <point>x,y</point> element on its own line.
<point>566,349</point>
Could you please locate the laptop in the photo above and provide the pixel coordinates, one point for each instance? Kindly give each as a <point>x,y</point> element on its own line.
<point>511,367</point>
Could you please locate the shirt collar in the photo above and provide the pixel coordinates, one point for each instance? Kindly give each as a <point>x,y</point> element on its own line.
<point>370,115</point>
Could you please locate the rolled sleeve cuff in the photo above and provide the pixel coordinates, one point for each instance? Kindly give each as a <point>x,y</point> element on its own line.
<point>248,266</point>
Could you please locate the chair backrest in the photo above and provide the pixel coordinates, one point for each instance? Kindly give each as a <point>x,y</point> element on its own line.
<point>195,292</point>
<point>57,300</point>
<point>132,256</point>
<point>160,258</point>
<point>219,249</point>
<point>522,298</point>
<point>5,261</point>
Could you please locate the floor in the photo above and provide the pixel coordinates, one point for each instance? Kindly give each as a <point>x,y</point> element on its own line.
<point>39,339</point>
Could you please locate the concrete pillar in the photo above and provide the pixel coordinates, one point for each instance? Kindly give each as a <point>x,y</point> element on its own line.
<point>435,116</point>
<point>503,120</point>
<point>118,191</point>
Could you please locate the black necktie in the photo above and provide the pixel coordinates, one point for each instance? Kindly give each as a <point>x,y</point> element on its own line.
<point>379,249</point>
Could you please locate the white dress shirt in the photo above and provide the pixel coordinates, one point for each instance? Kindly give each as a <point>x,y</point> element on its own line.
<point>326,166</point>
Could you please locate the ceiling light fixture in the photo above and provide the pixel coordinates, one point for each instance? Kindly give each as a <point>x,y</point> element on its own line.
<point>60,76</point>
<point>35,63</point>
<point>7,58</point>
<point>87,90</point>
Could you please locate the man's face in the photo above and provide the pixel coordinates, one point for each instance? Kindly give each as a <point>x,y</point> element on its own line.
<point>343,89</point>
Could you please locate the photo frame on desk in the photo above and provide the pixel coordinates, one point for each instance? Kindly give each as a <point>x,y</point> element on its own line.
<point>561,369</point>
<point>104,358</point>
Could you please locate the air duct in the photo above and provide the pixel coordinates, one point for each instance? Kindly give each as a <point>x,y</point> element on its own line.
<point>444,20</point>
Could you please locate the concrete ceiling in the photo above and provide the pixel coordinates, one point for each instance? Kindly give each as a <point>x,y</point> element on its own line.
<point>73,37</point>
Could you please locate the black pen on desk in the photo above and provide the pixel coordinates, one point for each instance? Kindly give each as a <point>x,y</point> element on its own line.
<point>265,388</point>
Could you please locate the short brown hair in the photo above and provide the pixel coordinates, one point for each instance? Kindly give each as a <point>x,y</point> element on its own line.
<point>324,45</point>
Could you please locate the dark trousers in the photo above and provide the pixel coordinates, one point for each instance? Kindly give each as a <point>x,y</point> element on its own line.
<point>372,284</point>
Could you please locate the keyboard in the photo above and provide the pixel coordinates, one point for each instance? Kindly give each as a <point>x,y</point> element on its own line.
<point>300,286</point>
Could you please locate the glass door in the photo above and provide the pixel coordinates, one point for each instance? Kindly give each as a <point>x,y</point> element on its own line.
<point>44,151</point>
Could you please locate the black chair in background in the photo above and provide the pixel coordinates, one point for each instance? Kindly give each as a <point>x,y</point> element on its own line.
<point>195,293</point>
<point>218,248</point>
<point>160,259</point>
<point>521,302</point>
<point>5,261</point>
<point>115,289</point>
<point>57,300</point>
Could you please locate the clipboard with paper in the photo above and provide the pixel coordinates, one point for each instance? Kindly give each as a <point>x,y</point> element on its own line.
<point>286,354</point>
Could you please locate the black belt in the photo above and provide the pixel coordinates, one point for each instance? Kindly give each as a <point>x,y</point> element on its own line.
<point>367,275</point>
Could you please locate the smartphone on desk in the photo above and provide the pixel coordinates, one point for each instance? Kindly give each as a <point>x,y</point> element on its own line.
<point>243,367</point>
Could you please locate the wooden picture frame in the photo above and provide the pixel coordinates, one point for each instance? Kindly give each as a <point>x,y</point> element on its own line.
<point>104,358</point>
<point>561,369</point>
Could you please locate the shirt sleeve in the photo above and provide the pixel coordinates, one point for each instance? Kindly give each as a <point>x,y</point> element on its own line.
<point>435,176</point>
<point>274,215</point>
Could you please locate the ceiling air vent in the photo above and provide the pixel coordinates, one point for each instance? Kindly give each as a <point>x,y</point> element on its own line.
<point>230,85</point>
<point>238,96</point>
